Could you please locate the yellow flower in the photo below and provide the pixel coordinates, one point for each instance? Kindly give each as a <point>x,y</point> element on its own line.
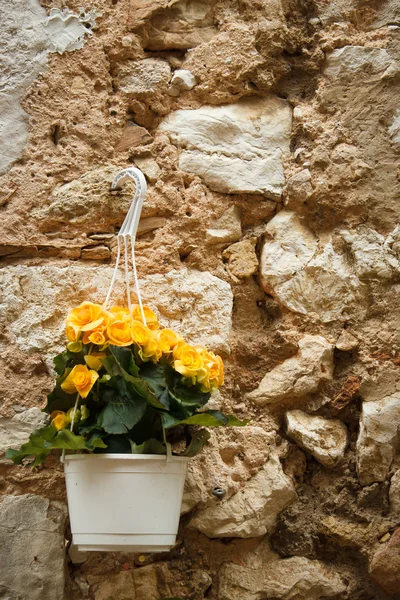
<point>85,317</point>
<point>167,339</point>
<point>72,334</point>
<point>96,337</point>
<point>120,313</point>
<point>93,360</point>
<point>187,360</point>
<point>214,365</point>
<point>80,380</point>
<point>150,316</point>
<point>151,351</point>
<point>119,333</point>
<point>140,333</point>
<point>59,419</point>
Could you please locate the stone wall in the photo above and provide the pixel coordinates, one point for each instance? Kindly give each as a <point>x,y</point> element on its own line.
<point>269,134</point>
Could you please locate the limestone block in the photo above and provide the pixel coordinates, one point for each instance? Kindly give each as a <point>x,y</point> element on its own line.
<point>149,167</point>
<point>346,341</point>
<point>286,579</point>
<point>299,187</point>
<point>242,258</point>
<point>343,63</point>
<point>32,547</point>
<point>227,228</point>
<point>16,431</point>
<point>385,566</point>
<point>394,494</point>
<point>325,439</point>
<point>373,258</point>
<point>143,77</point>
<point>181,25</point>
<point>86,203</point>
<point>182,80</point>
<point>24,54</point>
<point>299,375</point>
<point>234,148</point>
<point>305,276</point>
<point>378,438</point>
<point>231,458</point>
<point>253,510</point>
<point>36,300</point>
<point>394,129</point>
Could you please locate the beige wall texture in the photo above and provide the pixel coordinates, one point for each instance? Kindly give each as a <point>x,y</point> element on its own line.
<point>269,134</point>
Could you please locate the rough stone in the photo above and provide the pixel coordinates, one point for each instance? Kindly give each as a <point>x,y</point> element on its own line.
<point>150,224</point>
<point>299,187</point>
<point>253,510</point>
<point>394,494</point>
<point>149,167</point>
<point>385,566</point>
<point>242,258</point>
<point>347,342</point>
<point>394,129</point>
<point>378,438</point>
<point>32,547</point>
<point>16,431</point>
<point>235,148</point>
<point>132,136</point>
<point>306,276</point>
<point>86,203</point>
<point>231,458</point>
<point>196,304</point>
<point>24,55</point>
<point>287,579</point>
<point>227,228</point>
<point>345,62</point>
<point>182,81</point>
<point>373,257</point>
<point>142,77</point>
<point>325,439</point>
<point>299,375</point>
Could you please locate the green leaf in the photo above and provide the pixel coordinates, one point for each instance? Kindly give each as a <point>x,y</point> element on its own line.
<point>125,360</point>
<point>111,366</point>
<point>151,446</point>
<point>124,411</point>
<point>209,418</point>
<point>67,440</point>
<point>198,441</point>
<point>155,377</point>
<point>69,359</point>
<point>95,442</point>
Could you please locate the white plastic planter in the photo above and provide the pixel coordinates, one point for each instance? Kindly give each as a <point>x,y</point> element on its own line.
<point>124,502</point>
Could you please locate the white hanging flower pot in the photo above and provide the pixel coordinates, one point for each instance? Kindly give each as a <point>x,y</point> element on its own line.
<point>124,502</point>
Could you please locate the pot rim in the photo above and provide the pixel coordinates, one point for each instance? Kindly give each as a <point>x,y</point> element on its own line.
<point>153,457</point>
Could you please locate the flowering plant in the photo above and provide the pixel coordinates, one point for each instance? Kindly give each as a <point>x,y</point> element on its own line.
<point>125,385</point>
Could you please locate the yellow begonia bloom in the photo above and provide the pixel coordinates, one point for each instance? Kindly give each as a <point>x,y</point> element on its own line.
<point>187,360</point>
<point>93,360</point>
<point>119,333</point>
<point>151,351</point>
<point>80,380</point>
<point>72,334</point>
<point>86,317</point>
<point>59,419</point>
<point>120,313</point>
<point>96,337</point>
<point>150,316</point>
<point>215,366</point>
<point>140,333</point>
<point>167,339</point>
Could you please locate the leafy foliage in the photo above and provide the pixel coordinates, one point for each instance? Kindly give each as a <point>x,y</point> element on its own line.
<point>132,406</point>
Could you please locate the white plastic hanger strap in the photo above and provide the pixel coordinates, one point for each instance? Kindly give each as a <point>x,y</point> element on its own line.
<point>128,231</point>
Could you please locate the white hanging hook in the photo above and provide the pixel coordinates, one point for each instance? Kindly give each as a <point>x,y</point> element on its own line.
<point>128,231</point>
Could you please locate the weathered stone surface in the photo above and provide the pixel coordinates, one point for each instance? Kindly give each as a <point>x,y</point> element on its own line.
<point>394,129</point>
<point>297,376</point>
<point>372,254</point>
<point>197,304</point>
<point>32,548</point>
<point>182,80</point>
<point>180,25</point>
<point>378,438</point>
<point>345,62</point>
<point>325,439</point>
<point>235,148</point>
<point>347,342</point>
<point>385,566</point>
<point>132,136</point>
<point>230,459</point>
<point>87,203</point>
<point>253,510</point>
<point>16,431</point>
<point>100,252</point>
<point>286,579</point>
<point>242,258</point>
<point>394,493</point>
<point>306,276</point>
<point>227,228</point>
<point>149,167</point>
<point>24,55</point>
<point>141,77</point>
